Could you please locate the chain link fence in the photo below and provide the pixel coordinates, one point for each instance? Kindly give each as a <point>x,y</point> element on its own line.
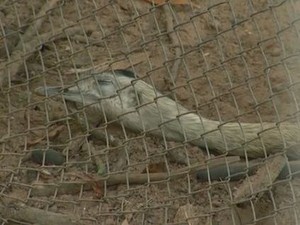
<point>220,145</point>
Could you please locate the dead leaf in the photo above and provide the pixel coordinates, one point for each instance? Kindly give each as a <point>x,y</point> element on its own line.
<point>52,135</point>
<point>187,213</point>
<point>125,222</point>
<point>34,142</point>
<point>96,186</point>
<point>159,167</point>
<point>55,132</point>
<point>97,189</point>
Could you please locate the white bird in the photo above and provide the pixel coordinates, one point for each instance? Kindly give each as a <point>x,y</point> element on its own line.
<point>120,96</point>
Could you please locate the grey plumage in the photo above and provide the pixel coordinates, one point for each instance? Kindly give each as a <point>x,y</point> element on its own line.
<point>118,95</point>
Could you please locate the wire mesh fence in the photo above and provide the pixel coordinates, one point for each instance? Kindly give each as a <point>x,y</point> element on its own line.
<point>149,112</point>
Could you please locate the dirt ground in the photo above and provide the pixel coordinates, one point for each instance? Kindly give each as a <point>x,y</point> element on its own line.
<point>238,62</point>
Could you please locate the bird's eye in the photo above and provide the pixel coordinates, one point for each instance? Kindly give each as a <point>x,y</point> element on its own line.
<point>106,87</point>
<point>104,82</point>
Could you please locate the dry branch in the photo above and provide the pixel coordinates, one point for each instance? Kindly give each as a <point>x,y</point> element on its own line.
<point>239,170</point>
<point>102,135</point>
<point>18,212</point>
<point>119,62</point>
<point>116,179</point>
<point>174,41</point>
<point>100,164</point>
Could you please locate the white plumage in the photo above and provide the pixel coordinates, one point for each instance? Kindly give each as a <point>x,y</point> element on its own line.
<point>118,95</point>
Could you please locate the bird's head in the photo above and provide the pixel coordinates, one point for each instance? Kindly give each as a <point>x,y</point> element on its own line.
<point>121,96</point>
<point>105,85</point>
<point>113,89</point>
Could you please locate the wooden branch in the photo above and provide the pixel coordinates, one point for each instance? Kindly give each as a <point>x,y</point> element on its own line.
<point>239,170</point>
<point>115,179</point>
<point>174,40</point>
<point>18,212</point>
<point>102,135</point>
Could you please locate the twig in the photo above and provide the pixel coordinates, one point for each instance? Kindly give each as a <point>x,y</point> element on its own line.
<point>238,171</point>
<point>174,41</point>
<point>119,62</point>
<point>74,145</point>
<point>60,33</point>
<point>115,179</point>
<point>18,212</point>
<point>102,135</point>
<point>91,41</point>
<point>235,171</point>
<point>101,168</point>
<point>97,133</point>
<point>52,134</point>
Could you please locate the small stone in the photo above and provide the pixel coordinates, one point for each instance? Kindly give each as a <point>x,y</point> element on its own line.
<point>52,157</point>
<point>275,52</point>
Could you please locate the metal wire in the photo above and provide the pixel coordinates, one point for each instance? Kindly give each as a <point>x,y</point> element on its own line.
<point>229,61</point>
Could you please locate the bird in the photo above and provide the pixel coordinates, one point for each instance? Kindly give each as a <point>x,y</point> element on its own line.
<point>121,96</point>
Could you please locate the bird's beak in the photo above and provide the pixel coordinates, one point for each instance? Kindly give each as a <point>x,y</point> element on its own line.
<point>48,91</point>
<point>71,94</point>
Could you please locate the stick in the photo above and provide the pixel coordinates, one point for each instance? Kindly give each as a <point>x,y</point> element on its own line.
<point>174,41</point>
<point>115,179</point>
<point>238,171</point>
<point>100,164</point>
<point>102,135</point>
<point>18,212</point>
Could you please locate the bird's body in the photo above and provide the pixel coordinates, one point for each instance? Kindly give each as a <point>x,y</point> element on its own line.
<point>119,96</point>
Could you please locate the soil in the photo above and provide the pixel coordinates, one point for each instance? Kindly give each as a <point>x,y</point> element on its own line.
<point>238,62</point>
